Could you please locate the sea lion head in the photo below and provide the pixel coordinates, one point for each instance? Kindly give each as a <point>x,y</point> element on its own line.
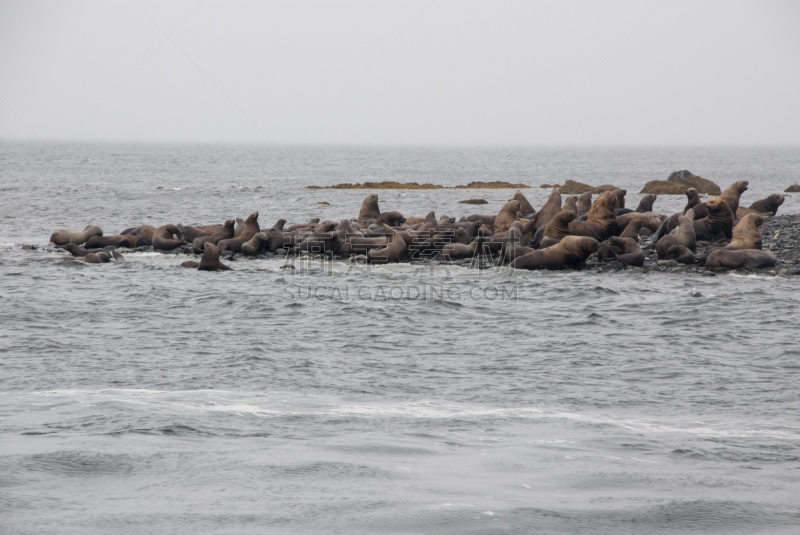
<point>603,206</point>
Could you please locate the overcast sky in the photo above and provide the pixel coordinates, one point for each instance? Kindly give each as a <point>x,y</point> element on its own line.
<point>448,72</point>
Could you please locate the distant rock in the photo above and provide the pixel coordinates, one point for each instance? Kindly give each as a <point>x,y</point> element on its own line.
<point>323,203</point>
<point>573,187</point>
<point>386,184</point>
<point>794,188</point>
<point>550,186</point>
<point>474,201</point>
<point>678,182</point>
<point>492,185</point>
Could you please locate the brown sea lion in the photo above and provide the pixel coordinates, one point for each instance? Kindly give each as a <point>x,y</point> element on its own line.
<point>619,197</point>
<point>601,223</point>
<point>632,254</point>
<point>571,204</point>
<point>235,244</point>
<point>394,251</point>
<point>683,234</point>
<point>210,229</point>
<point>556,229</point>
<point>770,204</point>
<point>584,203</point>
<point>732,193</point>
<point>190,233</point>
<point>550,208</point>
<point>508,214</point>
<point>681,254</point>
<point>351,242</point>
<point>483,219</point>
<point>570,253</point>
<point>608,251</point>
<point>746,234</point>
<point>722,258</point>
<point>369,208</point>
<point>77,250</point>
<point>117,240</point>
<point>190,264</point>
<point>393,219</point>
<point>317,242</point>
<point>63,236</point>
<point>144,234</point>
<point>456,251</point>
<point>256,245</point>
<point>163,238</point>
<point>525,207</point>
<point>632,230</point>
<point>226,233</point>
<point>648,221</point>
<point>210,259</point>
<point>718,224</point>
<point>646,203</point>
<point>279,224</point>
<point>97,258</point>
<point>692,199</point>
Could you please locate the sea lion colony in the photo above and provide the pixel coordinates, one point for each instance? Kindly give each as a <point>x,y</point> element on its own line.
<point>718,233</point>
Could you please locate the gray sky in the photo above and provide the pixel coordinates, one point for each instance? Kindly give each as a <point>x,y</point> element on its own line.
<point>449,72</point>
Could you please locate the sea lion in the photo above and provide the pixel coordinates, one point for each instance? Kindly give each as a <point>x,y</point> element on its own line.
<point>571,204</point>
<point>632,230</point>
<point>64,236</point>
<point>700,210</point>
<point>351,242</point>
<point>632,254</point>
<point>692,199</point>
<point>770,204</point>
<point>117,240</point>
<point>190,233</point>
<point>369,208</point>
<point>556,229</point>
<point>394,251</point>
<point>483,219</point>
<point>393,219</point>
<point>278,224</point>
<point>746,234</point>
<point>722,258</point>
<point>732,193</point>
<point>550,208</point>
<point>508,214</point>
<point>226,233</point>
<point>683,234</point>
<point>718,224</point>
<point>210,259</point>
<point>190,264</point>
<point>525,207</point>
<point>144,234</point>
<point>584,203</point>
<point>163,238</point>
<point>646,203</point>
<point>648,221</point>
<point>619,197</point>
<point>317,242</point>
<point>97,258</point>
<point>681,254</point>
<point>608,251</point>
<point>601,223</point>
<point>256,245</point>
<point>77,250</point>
<point>240,225</point>
<point>456,251</point>
<point>570,253</point>
<point>235,244</point>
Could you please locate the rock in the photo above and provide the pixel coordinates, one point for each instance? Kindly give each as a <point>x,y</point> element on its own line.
<point>668,263</point>
<point>794,188</point>
<point>612,266</point>
<point>678,182</point>
<point>637,270</point>
<point>227,254</point>
<point>549,186</point>
<point>572,187</point>
<point>280,252</point>
<point>360,258</point>
<point>473,201</point>
<point>492,185</point>
<point>323,203</point>
<point>709,274</point>
<point>386,184</point>
<point>29,247</point>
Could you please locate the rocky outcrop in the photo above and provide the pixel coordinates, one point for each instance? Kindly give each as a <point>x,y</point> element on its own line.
<point>473,201</point>
<point>678,182</point>
<point>492,185</point>
<point>794,188</point>
<point>390,184</point>
<point>573,187</point>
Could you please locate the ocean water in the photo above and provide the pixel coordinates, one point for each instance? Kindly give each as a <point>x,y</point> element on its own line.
<point>141,397</point>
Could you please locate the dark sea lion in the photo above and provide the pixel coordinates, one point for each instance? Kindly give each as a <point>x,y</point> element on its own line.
<point>601,223</point>
<point>632,230</point>
<point>77,250</point>
<point>210,259</point>
<point>190,233</point>
<point>681,254</point>
<point>622,211</point>
<point>550,208</point>
<point>97,258</point>
<point>608,251</point>
<point>393,219</point>
<point>144,234</point>
<point>692,199</point>
<point>117,240</point>
<point>631,254</point>
<point>700,210</point>
<point>483,219</point>
<point>318,242</point>
<point>570,253</point>
<point>234,244</point>
<point>394,251</point>
<point>525,207</point>
<point>456,251</point>
<point>770,204</point>
<point>584,203</point>
<point>683,234</point>
<point>718,224</point>
<point>646,203</point>
<point>190,264</point>
<point>732,193</point>
<point>722,258</point>
<point>351,242</point>
<point>746,234</point>
<point>571,204</point>
<point>556,229</point>
<point>257,245</point>
<point>619,197</point>
<point>648,221</point>
<point>279,224</point>
<point>163,238</point>
<point>369,208</point>
<point>63,236</point>
<point>225,233</point>
<point>508,214</point>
